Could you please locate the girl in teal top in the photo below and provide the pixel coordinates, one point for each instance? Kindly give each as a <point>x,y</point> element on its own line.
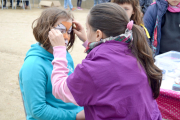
<point>35,74</point>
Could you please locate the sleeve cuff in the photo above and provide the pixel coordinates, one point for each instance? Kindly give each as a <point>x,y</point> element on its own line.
<point>85,44</point>
<point>59,51</point>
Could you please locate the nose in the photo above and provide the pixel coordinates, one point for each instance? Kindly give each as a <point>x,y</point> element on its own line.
<point>66,37</point>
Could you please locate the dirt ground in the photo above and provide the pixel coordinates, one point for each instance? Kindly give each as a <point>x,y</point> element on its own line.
<point>16,38</point>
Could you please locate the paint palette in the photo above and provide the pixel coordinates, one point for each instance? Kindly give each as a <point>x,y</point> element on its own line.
<point>168,61</point>
<point>170,64</point>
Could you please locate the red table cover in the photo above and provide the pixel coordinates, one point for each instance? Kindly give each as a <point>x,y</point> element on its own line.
<point>169,104</point>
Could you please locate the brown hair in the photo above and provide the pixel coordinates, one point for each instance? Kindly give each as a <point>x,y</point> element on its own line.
<point>112,20</point>
<point>46,22</point>
<point>137,16</point>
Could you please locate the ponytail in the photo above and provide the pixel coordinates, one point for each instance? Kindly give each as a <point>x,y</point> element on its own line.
<point>143,53</point>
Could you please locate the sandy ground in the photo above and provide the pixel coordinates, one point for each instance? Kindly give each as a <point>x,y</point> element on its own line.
<point>15,39</point>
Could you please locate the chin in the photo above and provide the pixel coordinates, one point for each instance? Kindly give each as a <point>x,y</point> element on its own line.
<point>174,3</point>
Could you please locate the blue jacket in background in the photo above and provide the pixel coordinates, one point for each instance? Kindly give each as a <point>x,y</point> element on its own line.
<point>155,11</point>
<point>145,4</point>
<point>103,1</point>
<point>36,87</point>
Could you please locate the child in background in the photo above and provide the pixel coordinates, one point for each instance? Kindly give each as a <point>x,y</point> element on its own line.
<point>118,78</point>
<point>134,13</point>
<point>4,2</point>
<point>96,2</point>
<point>79,4</point>
<point>68,2</point>
<point>35,74</point>
<point>103,1</point>
<point>162,20</point>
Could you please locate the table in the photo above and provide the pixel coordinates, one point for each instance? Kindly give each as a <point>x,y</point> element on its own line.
<point>169,101</point>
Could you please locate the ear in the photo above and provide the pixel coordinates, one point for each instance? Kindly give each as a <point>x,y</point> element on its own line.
<point>99,35</point>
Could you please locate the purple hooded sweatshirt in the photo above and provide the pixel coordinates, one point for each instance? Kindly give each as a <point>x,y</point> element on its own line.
<point>112,86</point>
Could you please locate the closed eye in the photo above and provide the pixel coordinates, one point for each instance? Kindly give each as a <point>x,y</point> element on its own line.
<point>69,31</point>
<point>61,28</point>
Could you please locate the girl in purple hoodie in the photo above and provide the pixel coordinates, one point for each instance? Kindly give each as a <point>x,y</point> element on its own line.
<point>118,79</point>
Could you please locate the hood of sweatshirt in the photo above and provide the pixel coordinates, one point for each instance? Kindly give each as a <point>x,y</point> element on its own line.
<point>37,50</point>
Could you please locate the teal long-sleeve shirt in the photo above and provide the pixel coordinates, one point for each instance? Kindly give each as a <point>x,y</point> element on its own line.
<point>36,88</point>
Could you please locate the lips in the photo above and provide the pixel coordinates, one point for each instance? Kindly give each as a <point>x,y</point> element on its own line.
<point>174,1</point>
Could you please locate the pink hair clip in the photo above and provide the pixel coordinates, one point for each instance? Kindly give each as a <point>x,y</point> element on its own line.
<point>130,25</point>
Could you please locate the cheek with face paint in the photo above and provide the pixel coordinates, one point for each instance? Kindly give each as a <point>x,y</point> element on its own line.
<point>68,27</point>
<point>66,36</point>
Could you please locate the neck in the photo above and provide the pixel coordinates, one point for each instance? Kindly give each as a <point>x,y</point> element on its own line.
<point>50,50</point>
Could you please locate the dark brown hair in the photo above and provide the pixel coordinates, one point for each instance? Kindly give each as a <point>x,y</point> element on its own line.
<point>112,20</point>
<point>46,22</point>
<point>137,16</point>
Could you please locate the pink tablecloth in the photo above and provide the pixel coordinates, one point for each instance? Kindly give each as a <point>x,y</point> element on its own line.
<point>169,104</point>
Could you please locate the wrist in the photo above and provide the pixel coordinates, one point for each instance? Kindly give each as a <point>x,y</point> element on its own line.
<point>59,45</point>
<point>84,39</point>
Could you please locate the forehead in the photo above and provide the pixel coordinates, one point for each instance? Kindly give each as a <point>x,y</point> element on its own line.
<point>128,5</point>
<point>63,20</point>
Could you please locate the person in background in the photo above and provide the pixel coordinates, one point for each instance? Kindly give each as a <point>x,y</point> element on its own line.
<point>4,2</point>
<point>134,13</point>
<point>104,1</point>
<point>26,4</point>
<point>68,2</point>
<point>162,20</point>
<point>96,2</point>
<point>79,4</point>
<point>18,1</point>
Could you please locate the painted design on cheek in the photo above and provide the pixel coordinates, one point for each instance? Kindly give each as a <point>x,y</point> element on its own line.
<point>68,27</point>
<point>65,28</point>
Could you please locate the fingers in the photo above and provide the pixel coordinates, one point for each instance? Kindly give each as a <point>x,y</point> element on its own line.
<point>75,22</point>
<point>56,38</point>
<point>81,35</point>
<point>58,32</point>
<point>75,31</point>
<point>55,32</point>
<point>50,34</point>
<point>78,25</point>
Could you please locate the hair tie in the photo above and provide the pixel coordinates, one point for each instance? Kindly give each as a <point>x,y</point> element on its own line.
<point>130,25</point>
